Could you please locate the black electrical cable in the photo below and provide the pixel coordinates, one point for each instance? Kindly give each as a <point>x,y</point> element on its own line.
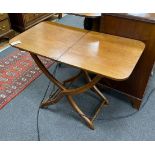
<point>54,72</point>
<point>38,133</point>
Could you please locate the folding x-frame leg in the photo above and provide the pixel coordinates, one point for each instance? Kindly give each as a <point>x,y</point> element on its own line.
<point>68,92</point>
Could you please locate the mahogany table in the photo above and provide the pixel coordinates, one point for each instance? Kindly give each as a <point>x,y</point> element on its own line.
<point>105,55</point>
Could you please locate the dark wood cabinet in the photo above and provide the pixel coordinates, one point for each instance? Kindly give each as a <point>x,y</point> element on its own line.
<point>140,27</point>
<point>5,27</point>
<point>23,21</point>
<point>135,26</point>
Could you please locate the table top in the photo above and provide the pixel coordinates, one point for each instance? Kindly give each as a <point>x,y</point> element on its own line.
<point>111,56</point>
<point>49,39</point>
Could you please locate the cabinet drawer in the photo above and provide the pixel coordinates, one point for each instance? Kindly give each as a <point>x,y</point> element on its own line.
<point>23,21</point>
<point>3,16</point>
<point>37,15</point>
<point>4,26</point>
<point>30,17</point>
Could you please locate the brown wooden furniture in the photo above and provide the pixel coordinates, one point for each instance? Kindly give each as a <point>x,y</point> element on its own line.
<point>134,26</point>
<point>23,21</point>
<point>91,15</point>
<point>105,55</point>
<point>5,28</point>
<point>91,21</point>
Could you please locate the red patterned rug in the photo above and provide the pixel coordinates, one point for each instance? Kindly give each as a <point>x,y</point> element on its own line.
<point>17,71</point>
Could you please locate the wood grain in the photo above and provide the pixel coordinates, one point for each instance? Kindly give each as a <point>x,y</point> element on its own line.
<point>5,28</point>
<point>49,39</point>
<point>144,17</point>
<point>111,56</point>
<point>23,21</point>
<point>134,26</point>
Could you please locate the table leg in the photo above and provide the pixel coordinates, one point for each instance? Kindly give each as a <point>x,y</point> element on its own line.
<point>94,88</point>
<point>78,110</point>
<point>68,92</point>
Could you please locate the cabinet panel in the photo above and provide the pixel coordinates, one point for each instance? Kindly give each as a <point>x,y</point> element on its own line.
<point>3,16</point>
<point>23,21</point>
<point>4,26</point>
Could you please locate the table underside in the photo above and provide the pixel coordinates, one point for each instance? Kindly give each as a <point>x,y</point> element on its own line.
<point>69,93</point>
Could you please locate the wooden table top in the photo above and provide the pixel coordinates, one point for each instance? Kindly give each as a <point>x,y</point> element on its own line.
<point>49,39</point>
<point>111,56</point>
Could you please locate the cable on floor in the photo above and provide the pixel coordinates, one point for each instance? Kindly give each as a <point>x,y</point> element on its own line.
<point>54,73</point>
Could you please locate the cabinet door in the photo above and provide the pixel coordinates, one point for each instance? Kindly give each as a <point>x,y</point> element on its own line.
<point>4,26</point>
<point>30,17</point>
